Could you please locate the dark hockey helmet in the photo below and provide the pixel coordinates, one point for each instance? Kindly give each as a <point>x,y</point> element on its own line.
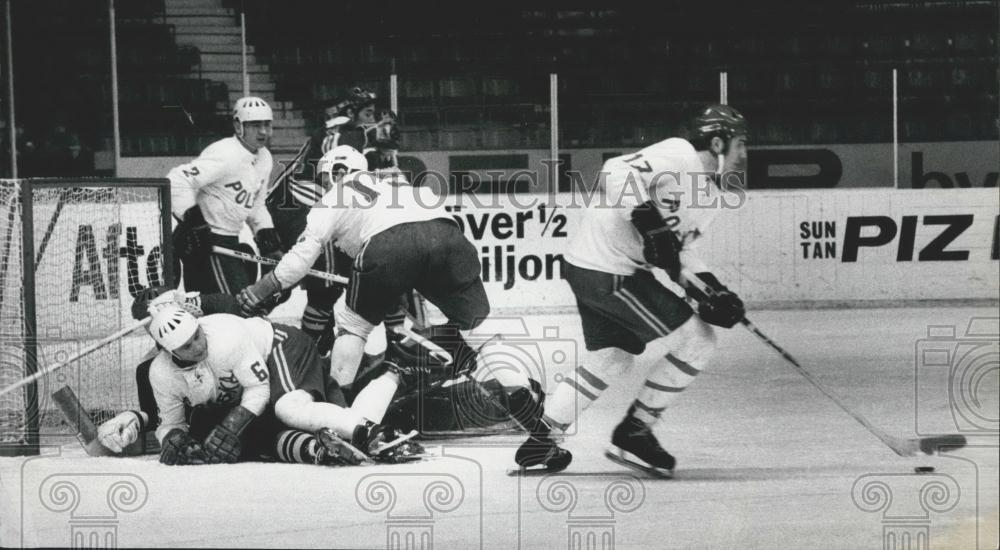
<point>716,120</point>
<point>359,97</point>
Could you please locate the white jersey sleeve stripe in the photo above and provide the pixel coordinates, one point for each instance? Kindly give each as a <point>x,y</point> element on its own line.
<point>635,305</point>
<point>281,365</point>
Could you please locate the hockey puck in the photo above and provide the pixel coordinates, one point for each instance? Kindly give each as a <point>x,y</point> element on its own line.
<point>923,469</point>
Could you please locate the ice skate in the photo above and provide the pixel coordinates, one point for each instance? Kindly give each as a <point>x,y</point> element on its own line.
<point>386,444</point>
<point>634,445</point>
<point>525,405</point>
<point>413,375</point>
<point>540,455</point>
<point>334,451</point>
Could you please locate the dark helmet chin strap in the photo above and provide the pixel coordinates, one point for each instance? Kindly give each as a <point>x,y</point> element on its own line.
<point>181,363</point>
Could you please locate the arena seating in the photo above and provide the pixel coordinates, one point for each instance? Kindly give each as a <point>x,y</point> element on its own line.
<point>815,73</point>
<point>474,79</point>
<point>62,63</point>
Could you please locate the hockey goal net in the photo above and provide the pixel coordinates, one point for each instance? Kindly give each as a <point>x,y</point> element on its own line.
<point>73,255</point>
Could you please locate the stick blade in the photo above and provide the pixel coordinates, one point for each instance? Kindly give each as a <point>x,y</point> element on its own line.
<point>78,418</point>
<point>942,443</point>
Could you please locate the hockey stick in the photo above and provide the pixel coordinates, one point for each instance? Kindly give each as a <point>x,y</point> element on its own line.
<point>78,418</point>
<point>292,166</point>
<point>900,446</point>
<point>433,349</point>
<point>269,261</point>
<point>82,353</point>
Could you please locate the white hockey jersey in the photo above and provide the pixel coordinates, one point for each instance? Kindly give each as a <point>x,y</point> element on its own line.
<point>351,213</point>
<point>228,183</point>
<point>233,373</point>
<point>669,173</point>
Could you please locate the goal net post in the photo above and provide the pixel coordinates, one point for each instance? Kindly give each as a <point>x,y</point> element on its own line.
<point>74,253</point>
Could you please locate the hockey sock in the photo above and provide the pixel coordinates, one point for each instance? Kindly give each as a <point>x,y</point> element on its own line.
<point>584,385</point>
<point>695,342</point>
<point>373,400</point>
<point>314,320</point>
<point>297,409</point>
<point>296,446</point>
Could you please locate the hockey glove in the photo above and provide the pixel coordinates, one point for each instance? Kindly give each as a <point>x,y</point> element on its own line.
<point>720,306</point>
<point>252,298</point>
<point>223,443</point>
<point>140,307</point>
<point>660,245</point>
<point>269,243</point>
<point>192,237</point>
<point>188,301</point>
<point>180,449</point>
<point>121,431</point>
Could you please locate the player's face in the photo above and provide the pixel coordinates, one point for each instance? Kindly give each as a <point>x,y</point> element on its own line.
<point>367,115</point>
<point>736,157</point>
<point>257,134</point>
<point>196,348</point>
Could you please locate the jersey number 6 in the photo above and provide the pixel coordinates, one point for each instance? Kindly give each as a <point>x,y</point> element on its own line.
<point>259,371</point>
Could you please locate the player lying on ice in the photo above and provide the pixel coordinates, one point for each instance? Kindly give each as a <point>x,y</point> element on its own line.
<point>410,365</point>
<point>227,387</point>
<point>663,197</point>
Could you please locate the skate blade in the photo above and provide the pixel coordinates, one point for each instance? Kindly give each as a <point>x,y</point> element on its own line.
<point>619,456</point>
<point>534,471</point>
<point>343,450</point>
<point>395,442</point>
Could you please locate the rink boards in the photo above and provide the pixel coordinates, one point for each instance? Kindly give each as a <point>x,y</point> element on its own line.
<point>773,247</point>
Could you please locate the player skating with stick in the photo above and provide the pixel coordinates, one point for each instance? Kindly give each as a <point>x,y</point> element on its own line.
<point>654,205</point>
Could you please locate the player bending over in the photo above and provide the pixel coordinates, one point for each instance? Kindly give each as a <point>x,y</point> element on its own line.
<point>216,193</point>
<point>401,239</point>
<point>663,198</point>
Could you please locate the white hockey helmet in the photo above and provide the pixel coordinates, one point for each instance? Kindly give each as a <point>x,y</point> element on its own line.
<point>344,155</point>
<point>252,109</point>
<point>172,327</point>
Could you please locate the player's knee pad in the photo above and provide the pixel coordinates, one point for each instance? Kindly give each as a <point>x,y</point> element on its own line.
<point>348,321</point>
<point>288,407</point>
<point>694,342</point>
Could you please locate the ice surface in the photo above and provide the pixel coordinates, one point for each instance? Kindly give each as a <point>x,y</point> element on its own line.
<point>764,461</point>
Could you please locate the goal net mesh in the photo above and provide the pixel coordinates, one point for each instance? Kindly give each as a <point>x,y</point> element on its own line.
<point>95,245</point>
